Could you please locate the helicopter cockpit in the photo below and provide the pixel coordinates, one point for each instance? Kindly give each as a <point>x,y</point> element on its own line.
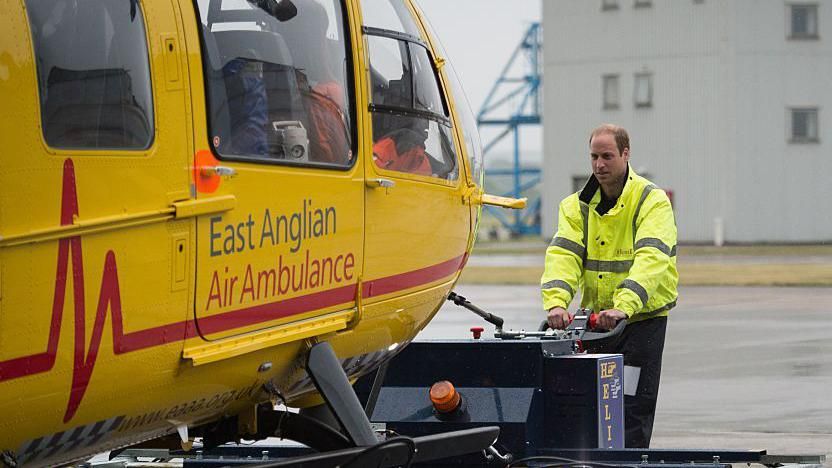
<point>276,75</point>
<point>278,79</point>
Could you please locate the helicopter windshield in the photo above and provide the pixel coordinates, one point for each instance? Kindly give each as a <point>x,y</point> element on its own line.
<point>277,80</point>
<point>470,132</point>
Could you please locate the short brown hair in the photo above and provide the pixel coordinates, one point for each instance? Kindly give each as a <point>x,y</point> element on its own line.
<point>622,139</point>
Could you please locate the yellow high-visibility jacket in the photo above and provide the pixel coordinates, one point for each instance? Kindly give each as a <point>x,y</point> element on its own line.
<point>624,259</point>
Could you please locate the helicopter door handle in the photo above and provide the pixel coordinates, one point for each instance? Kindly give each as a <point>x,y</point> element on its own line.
<point>380,183</point>
<point>222,171</point>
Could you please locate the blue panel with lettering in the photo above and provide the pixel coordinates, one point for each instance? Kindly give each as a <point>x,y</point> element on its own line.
<point>611,402</point>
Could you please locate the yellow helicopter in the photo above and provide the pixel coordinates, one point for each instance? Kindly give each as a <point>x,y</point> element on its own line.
<point>196,193</point>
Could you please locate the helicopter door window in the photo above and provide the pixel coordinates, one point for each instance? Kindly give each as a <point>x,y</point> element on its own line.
<point>411,132</point>
<point>93,74</point>
<point>390,15</point>
<point>390,72</point>
<point>425,89</point>
<point>278,81</point>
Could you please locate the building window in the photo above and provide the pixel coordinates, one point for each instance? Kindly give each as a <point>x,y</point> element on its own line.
<point>803,21</point>
<point>804,125</point>
<point>643,3</point>
<point>609,83</point>
<point>93,74</point>
<point>609,5</point>
<point>643,93</point>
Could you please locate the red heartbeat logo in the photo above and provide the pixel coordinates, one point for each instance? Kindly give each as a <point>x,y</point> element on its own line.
<point>109,298</point>
<point>84,362</point>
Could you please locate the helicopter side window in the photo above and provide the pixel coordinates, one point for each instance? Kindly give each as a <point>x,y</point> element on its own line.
<point>277,81</point>
<point>93,74</point>
<point>411,129</point>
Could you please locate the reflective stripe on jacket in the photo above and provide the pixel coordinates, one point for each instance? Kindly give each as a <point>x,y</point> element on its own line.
<point>624,259</point>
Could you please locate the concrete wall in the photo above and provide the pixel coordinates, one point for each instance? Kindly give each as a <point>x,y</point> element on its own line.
<point>781,189</point>
<point>716,134</point>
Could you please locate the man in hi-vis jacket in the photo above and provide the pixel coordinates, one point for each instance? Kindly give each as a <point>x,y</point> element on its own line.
<point>616,240</point>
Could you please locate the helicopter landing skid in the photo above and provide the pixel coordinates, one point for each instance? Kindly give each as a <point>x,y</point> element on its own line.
<point>331,381</point>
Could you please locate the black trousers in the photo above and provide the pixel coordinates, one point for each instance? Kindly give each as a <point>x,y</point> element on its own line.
<point>642,344</point>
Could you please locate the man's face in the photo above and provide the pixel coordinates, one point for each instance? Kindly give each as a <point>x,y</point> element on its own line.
<point>608,164</point>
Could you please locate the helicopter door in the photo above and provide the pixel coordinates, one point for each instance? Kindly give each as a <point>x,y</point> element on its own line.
<point>279,141</point>
<point>417,225</point>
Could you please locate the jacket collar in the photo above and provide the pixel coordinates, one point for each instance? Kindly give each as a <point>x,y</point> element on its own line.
<point>592,185</point>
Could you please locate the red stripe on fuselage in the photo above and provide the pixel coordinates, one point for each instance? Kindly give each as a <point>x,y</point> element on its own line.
<point>275,310</point>
<point>110,299</point>
<point>413,278</point>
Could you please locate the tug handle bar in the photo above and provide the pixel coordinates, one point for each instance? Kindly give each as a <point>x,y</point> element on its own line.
<point>461,301</point>
<point>591,321</point>
<point>590,334</point>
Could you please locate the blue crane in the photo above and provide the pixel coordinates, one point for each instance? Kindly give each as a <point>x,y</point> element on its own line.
<point>514,101</point>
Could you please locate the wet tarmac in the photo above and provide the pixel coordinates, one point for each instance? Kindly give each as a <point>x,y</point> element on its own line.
<point>743,367</point>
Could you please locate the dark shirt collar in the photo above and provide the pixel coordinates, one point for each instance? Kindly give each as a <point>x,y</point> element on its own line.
<point>606,204</point>
<point>589,189</point>
<point>592,185</point>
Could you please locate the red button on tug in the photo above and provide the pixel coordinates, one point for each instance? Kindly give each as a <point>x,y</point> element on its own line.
<point>477,332</point>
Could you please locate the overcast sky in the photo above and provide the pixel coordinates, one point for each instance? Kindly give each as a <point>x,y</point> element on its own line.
<point>480,36</point>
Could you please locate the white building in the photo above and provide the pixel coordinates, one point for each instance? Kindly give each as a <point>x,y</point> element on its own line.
<point>728,104</point>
